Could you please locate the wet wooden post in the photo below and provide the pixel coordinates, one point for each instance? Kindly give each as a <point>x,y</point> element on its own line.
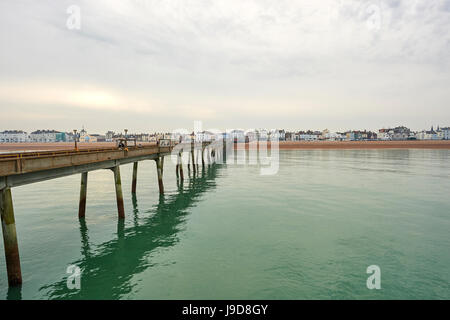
<point>134,182</point>
<point>10,238</point>
<point>189,164</point>
<point>193,157</point>
<point>119,195</point>
<point>83,192</point>
<point>159,170</point>
<point>203,157</point>
<point>181,166</point>
<point>224,150</point>
<point>198,156</point>
<point>208,152</point>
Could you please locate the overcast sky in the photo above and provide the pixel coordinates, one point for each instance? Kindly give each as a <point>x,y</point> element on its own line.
<point>150,65</point>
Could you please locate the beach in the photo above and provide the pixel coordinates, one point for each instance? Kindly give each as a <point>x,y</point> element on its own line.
<point>410,144</point>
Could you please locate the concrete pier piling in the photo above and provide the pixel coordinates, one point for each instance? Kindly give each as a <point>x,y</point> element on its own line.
<point>10,238</point>
<point>119,195</point>
<point>159,169</point>
<point>133,183</point>
<point>83,192</point>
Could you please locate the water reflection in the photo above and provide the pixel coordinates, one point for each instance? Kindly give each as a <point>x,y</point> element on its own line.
<point>106,271</point>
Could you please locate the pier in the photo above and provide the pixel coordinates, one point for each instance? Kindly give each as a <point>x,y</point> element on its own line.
<point>23,168</point>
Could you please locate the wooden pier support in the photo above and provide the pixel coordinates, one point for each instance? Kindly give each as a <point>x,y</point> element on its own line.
<point>224,150</point>
<point>83,192</point>
<point>159,169</point>
<point>119,195</point>
<point>133,183</point>
<point>189,163</point>
<point>193,158</point>
<point>203,158</point>
<point>181,167</point>
<point>10,238</point>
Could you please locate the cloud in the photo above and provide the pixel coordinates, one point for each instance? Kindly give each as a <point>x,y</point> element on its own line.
<point>280,62</point>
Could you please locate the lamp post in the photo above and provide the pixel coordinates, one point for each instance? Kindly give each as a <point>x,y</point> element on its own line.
<point>75,138</point>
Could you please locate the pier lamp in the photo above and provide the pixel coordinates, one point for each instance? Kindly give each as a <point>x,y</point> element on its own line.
<point>75,138</point>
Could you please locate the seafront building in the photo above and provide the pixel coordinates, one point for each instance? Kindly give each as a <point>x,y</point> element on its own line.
<point>47,136</point>
<point>444,133</point>
<point>397,133</point>
<point>427,135</point>
<point>14,136</point>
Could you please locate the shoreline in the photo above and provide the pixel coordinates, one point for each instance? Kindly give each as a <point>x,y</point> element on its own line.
<point>409,144</point>
<point>283,145</point>
<point>345,145</point>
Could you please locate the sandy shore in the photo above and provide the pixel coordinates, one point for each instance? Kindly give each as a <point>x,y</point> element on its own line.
<point>285,145</point>
<point>411,144</point>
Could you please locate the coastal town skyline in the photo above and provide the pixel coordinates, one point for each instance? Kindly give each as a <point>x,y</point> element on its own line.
<point>386,134</point>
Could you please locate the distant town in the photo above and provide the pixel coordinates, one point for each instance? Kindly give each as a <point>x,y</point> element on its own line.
<point>385,134</point>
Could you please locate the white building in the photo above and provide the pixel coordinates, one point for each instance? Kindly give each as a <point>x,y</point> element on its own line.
<point>109,136</point>
<point>427,135</point>
<point>237,135</point>
<point>308,136</point>
<point>276,134</point>
<point>262,134</point>
<point>251,135</point>
<point>444,133</point>
<point>43,136</point>
<point>14,136</point>
<point>334,136</point>
<point>385,134</point>
<point>204,136</point>
<point>85,137</point>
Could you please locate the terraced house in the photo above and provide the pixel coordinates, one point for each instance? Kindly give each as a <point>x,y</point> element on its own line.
<point>14,136</point>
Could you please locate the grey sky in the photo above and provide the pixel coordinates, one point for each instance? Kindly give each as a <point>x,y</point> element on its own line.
<point>160,65</point>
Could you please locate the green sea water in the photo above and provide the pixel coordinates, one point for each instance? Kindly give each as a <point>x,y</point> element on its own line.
<point>308,232</point>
